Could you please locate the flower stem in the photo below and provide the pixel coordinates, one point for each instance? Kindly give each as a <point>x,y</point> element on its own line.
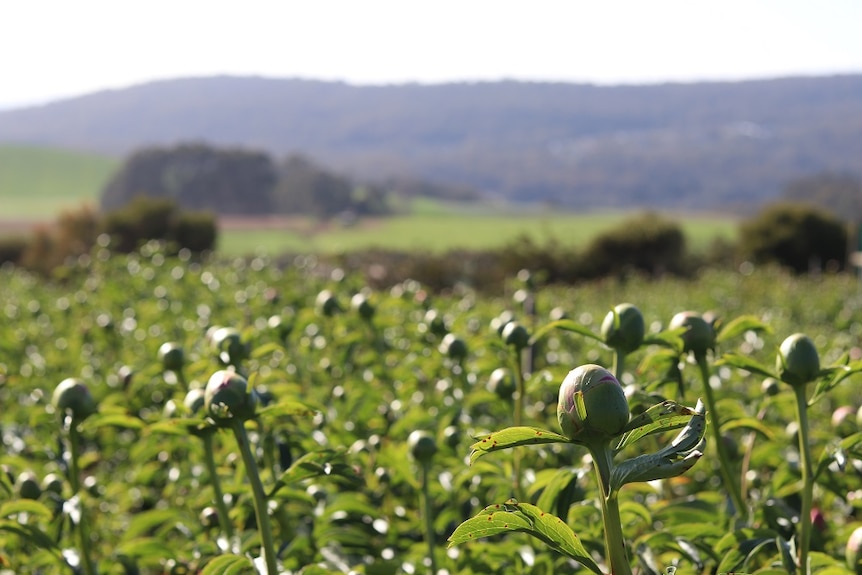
<point>732,486</point>
<point>519,418</point>
<point>619,364</point>
<point>807,478</point>
<point>83,529</point>
<point>428,512</point>
<point>615,545</point>
<point>260,506</point>
<point>218,495</point>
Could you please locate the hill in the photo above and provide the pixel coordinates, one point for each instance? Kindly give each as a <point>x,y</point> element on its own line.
<point>680,146</point>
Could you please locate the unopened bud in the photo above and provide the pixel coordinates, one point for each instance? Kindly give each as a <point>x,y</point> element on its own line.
<point>592,404</point>
<point>797,362</point>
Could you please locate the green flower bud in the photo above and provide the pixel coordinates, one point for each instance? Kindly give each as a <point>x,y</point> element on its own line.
<point>27,486</point>
<point>623,328</point>
<point>501,321</point>
<point>797,362</point>
<point>361,305</point>
<point>172,356</point>
<point>209,517</point>
<point>601,413</point>
<point>227,397</point>
<point>699,336</point>
<point>72,396</point>
<point>435,322</point>
<point>229,347</point>
<point>516,335</point>
<point>770,386</point>
<point>502,382</point>
<point>52,483</point>
<point>853,552</point>
<point>326,304</point>
<point>453,347</point>
<point>283,326</point>
<point>422,446</point>
<point>194,400</point>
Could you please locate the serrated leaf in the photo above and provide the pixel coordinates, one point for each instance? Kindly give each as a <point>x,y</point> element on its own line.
<point>565,325</point>
<point>29,506</point>
<point>523,517</point>
<point>513,437</point>
<point>664,416</point>
<point>228,565</point>
<point>746,363</point>
<point>739,326</point>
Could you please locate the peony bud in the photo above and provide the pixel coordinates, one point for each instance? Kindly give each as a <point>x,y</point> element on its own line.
<point>172,357</point>
<point>454,347</point>
<point>72,395</point>
<point>604,409</point>
<point>194,400</point>
<point>699,336</point>
<point>326,304</point>
<point>853,552</point>
<point>516,335</point>
<point>361,304</point>
<point>27,486</point>
<point>422,446</point>
<point>623,328</point>
<point>227,397</point>
<point>229,346</point>
<point>502,383</point>
<point>797,362</point>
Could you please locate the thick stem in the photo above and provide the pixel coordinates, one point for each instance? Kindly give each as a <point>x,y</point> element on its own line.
<point>83,529</point>
<point>615,545</point>
<point>218,494</point>
<point>807,479</point>
<point>428,512</point>
<point>619,364</point>
<point>733,487</point>
<point>260,506</point>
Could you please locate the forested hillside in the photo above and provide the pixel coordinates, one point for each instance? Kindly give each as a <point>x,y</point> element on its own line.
<point>711,145</point>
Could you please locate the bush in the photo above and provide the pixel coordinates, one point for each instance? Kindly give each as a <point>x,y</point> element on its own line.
<point>646,243</point>
<point>148,218</point>
<point>796,235</point>
<point>12,249</point>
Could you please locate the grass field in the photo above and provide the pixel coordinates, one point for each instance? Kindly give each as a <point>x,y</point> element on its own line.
<point>38,183</point>
<point>444,231</point>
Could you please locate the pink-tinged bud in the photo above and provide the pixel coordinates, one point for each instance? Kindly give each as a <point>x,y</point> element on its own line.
<point>623,328</point>
<point>227,398</point>
<point>604,409</point>
<point>699,336</point>
<point>72,396</point>
<point>797,362</point>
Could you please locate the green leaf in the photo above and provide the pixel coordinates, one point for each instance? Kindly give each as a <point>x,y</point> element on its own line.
<point>29,506</point>
<point>228,565</point>
<point>176,426</point>
<point>513,437</point>
<point>121,420</point>
<point>286,407</point>
<point>526,518</point>
<point>664,416</point>
<point>265,349</point>
<point>751,423</point>
<point>830,377</point>
<point>670,338</point>
<point>565,325</point>
<point>735,547</point>
<point>746,363</point>
<point>739,326</point>
<point>29,533</point>
<point>315,464</point>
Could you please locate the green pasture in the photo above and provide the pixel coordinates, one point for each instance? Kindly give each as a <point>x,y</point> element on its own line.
<point>446,231</point>
<point>38,183</point>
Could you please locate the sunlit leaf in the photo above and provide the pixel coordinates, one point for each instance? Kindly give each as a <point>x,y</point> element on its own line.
<point>564,325</point>
<point>745,363</point>
<point>29,506</point>
<point>523,517</point>
<point>228,565</point>
<point>664,416</point>
<point>513,437</point>
<point>739,326</point>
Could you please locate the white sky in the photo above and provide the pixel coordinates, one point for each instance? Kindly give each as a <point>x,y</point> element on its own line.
<point>57,48</point>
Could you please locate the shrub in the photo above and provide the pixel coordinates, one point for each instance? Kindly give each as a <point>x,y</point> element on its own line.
<point>795,235</point>
<point>12,249</point>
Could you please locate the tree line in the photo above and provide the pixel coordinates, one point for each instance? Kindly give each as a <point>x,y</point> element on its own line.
<point>238,181</point>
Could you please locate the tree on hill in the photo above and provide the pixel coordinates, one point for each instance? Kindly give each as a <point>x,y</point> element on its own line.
<point>196,176</point>
<point>841,194</point>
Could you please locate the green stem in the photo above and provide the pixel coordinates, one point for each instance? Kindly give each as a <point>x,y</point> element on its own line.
<point>732,486</point>
<point>89,568</point>
<point>218,494</point>
<point>807,478</point>
<point>260,506</point>
<point>519,418</point>
<point>428,512</point>
<point>619,364</point>
<point>615,545</point>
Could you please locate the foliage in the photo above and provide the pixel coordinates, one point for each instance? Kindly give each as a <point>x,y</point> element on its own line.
<point>840,194</point>
<point>796,235</point>
<point>147,219</point>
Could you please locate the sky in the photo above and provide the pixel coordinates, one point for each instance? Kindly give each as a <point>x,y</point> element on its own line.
<point>53,49</point>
